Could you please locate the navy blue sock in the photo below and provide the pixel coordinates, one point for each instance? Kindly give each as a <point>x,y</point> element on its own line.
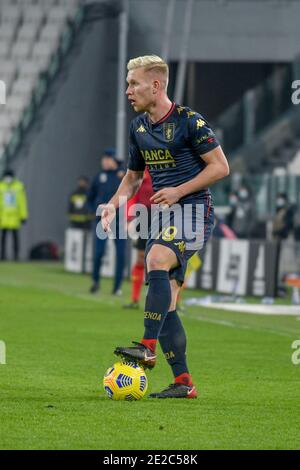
<point>157,303</point>
<point>172,340</point>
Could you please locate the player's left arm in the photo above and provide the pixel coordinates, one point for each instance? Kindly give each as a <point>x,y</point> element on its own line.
<point>216,168</point>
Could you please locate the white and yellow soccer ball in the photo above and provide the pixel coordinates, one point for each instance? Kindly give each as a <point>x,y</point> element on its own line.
<point>125,381</point>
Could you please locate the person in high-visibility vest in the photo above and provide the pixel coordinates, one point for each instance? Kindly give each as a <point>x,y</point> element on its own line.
<point>13,210</point>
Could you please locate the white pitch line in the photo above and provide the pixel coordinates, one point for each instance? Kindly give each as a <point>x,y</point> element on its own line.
<point>254,309</point>
<point>237,325</point>
<point>111,302</point>
<point>258,309</point>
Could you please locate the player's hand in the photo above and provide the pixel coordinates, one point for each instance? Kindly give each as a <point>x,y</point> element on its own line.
<point>166,196</point>
<point>107,213</point>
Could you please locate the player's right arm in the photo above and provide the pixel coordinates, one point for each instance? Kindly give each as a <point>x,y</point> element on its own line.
<point>129,186</point>
<point>130,183</point>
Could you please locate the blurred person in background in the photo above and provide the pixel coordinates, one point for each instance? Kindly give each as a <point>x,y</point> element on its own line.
<point>233,202</point>
<point>296,224</point>
<point>138,270</point>
<point>222,230</point>
<point>78,209</point>
<point>244,218</point>
<point>13,211</point>
<point>103,187</point>
<point>283,222</point>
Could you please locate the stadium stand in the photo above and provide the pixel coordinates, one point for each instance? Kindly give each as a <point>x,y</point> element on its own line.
<point>261,133</point>
<point>294,166</point>
<point>30,31</point>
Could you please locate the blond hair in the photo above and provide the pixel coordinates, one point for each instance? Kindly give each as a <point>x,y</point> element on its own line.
<point>151,63</point>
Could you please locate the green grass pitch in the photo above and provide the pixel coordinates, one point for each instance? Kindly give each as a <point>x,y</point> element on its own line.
<point>59,342</point>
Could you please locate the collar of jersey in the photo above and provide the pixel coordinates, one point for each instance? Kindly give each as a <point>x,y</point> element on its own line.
<point>164,118</point>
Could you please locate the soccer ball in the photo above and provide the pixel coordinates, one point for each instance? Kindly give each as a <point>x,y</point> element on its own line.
<point>125,381</point>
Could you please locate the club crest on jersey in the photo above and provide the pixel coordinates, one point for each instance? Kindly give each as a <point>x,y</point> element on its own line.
<point>169,131</point>
<point>141,129</point>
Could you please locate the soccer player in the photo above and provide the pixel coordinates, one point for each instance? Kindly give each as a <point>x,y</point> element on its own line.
<point>184,158</point>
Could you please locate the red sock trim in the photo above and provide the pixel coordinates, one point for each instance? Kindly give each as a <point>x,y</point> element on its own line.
<point>185,379</point>
<point>150,343</point>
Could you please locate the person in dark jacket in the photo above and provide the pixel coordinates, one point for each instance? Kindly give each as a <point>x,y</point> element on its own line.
<point>104,185</point>
<point>78,210</point>
<point>233,202</point>
<point>244,217</point>
<point>283,221</point>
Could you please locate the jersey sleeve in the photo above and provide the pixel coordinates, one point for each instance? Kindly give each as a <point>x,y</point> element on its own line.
<point>201,137</point>
<point>135,160</point>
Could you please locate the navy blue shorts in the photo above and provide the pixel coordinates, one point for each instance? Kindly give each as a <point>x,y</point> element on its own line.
<point>185,229</point>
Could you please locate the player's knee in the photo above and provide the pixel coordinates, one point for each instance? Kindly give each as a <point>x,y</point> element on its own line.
<point>160,258</point>
<point>156,263</point>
